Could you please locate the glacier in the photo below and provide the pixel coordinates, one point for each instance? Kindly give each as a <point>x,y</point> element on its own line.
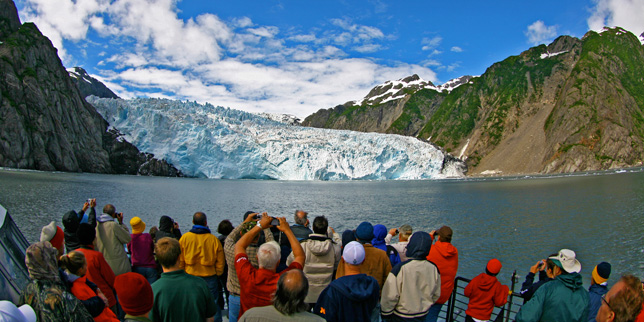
<point>203,140</point>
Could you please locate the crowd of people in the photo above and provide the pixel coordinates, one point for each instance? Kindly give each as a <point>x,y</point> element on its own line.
<point>265,269</point>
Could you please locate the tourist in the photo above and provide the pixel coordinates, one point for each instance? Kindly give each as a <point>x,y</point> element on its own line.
<point>413,285</point>
<point>71,220</point>
<point>322,258</point>
<point>224,229</point>
<point>404,232</point>
<point>376,263</point>
<point>288,301</point>
<point>445,256</point>
<point>485,292</point>
<point>301,226</point>
<point>202,255</point>
<point>178,296</point>
<point>167,228</point>
<point>135,296</point>
<point>55,235</point>
<point>111,238</point>
<point>623,302</point>
<point>98,270</point>
<point>75,266</point>
<point>545,267</point>
<point>9,312</point>
<point>563,299</point>
<point>45,293</point>
<point>353,296</point>
<point>598,288</point>
<point>141,249</point>
<point>229,250</point>
<point>378,241</point>
<point>257,285</point>
<point>347,237</point>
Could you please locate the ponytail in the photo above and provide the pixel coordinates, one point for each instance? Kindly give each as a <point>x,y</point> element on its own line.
<point>73,261</point>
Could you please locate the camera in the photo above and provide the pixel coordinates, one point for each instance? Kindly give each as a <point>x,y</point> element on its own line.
<point>397,231</point>
<point>275,222</point>
<point>89,201</point>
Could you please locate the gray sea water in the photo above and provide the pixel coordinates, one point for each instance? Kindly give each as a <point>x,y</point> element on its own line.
<point>518,220</point>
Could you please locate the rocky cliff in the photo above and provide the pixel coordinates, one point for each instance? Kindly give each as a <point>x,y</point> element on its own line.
<point>574,105</point>
<point>45,122</point>
<point>88,85</point>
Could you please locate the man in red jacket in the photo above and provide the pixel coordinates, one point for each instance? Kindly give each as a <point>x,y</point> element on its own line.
<point>445,256</point>
<point>485,292</point>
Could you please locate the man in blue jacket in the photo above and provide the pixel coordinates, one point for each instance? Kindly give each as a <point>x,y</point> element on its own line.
<point>598,287</point>
<point>562,300</point>
<point>353,296</point>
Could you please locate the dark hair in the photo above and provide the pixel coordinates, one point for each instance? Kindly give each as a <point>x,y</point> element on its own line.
<point>109,209</point>
<point>86,234</point>
<point>225,227</point>
<point>320,225</point>
<point>247,214</point>
<point>153,232</point>
<point>627,303</point>
<point>290,295</point>
<point>168,251</point>
<point>73,261</point>
<point>199,218</point>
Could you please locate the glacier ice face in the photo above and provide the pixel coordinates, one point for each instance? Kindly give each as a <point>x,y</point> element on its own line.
<point>216,142</point>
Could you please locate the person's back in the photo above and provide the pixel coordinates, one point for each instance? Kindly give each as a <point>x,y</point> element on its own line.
<point>98,270</point>
<point>179,296</point>
<point>485,292</point>
<point>71,220</point>
<point>563,299</point>
<point>111,238</point>
<point>598,288</point>
<point>301,228</point>
<point>167,228</point>
<point>141,249</point>
<point>322,257</point>
<point>378,241</point>
<point>445,256</point>
<point>352,297</point>
<point>414,285</point>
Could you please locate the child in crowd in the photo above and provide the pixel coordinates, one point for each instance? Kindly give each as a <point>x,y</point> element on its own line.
<point>75,266</point>
<point>485,292</point>
<point>135,296</point>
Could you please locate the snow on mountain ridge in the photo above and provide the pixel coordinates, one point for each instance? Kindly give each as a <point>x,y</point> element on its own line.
<point>217,142</point>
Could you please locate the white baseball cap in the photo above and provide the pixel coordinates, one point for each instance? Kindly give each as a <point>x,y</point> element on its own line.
<point>10,313</point>
<point>353,253</point>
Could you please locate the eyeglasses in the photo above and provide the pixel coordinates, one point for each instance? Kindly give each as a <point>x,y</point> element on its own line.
<point>604,299</point>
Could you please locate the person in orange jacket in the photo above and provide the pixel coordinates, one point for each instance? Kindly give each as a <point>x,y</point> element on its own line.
<point>445,256</point>
<point>485,292</point>
<point>75,266</point>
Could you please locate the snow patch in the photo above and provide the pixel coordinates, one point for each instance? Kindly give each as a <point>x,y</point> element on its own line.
<point>548,54</point>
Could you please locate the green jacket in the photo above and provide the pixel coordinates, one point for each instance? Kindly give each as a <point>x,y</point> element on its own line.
<point>564,299</point>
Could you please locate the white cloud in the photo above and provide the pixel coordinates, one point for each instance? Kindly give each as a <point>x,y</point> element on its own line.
<point>539,33</point>
<point>628,14</point>
<point>456,49</point>
<point>150,51</point>
<point>431,43</point>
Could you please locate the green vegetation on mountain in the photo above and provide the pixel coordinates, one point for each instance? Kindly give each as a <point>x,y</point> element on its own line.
<point>573,105</point>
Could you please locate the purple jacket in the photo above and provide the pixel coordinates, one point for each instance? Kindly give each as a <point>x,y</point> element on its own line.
<point>142,250</point>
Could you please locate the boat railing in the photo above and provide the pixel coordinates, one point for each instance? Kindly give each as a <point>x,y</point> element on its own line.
<point>13,271</point>
<point>457,304</point>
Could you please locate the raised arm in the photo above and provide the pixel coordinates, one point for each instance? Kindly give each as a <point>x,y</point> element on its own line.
<point>298,252</point>
<point>247,239</point>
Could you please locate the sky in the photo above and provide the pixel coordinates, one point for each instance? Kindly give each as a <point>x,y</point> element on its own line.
<point>296,57</point>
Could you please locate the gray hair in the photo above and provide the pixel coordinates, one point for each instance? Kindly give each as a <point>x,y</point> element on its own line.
<point>292,288</point>
<point>269,254</point>
<point>300,220</point>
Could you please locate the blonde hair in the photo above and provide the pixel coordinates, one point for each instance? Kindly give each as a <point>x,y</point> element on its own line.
<point>73,261</point>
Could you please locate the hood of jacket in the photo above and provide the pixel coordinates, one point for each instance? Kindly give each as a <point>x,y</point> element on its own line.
<point>357,287</point>
<point>379,234</point>
<point>104,218</point>
<point>446,250</point>
<point>319,244</point>
<point>572,280</point>
<point>165,224</point>
<point>71,221</point>
<point>486,281</point>
<point>419,245</point>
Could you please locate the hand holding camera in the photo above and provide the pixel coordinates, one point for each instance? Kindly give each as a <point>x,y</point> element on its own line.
<point>119,217</point>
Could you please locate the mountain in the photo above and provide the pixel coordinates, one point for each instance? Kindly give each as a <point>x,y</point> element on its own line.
<point>45,122</point>
<point>89,85</point>
<point>574,105</point>
<point>217,142</point>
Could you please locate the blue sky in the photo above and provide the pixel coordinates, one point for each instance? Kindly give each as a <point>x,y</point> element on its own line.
<point>299,56</point>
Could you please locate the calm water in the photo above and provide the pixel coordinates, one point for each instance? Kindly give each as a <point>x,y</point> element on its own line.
<point>518,221</point>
